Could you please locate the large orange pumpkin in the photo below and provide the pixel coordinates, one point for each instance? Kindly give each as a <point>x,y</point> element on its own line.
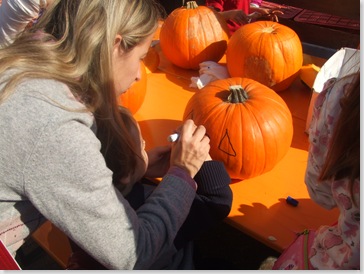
<point>249,125</point>
<point>193,34</point>
<point>267,52</point>
<point>134,97</point>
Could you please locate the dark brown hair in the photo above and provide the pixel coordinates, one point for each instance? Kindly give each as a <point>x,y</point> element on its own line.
<point>343,157</point>
<point>120,164</point>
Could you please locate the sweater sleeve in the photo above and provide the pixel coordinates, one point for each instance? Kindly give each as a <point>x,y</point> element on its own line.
<point>55,165</point>
<point>211,205</point>
<point>212,202</point>
<point>67,180</point>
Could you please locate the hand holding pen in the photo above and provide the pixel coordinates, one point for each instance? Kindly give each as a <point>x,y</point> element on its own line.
<point>190,147</point>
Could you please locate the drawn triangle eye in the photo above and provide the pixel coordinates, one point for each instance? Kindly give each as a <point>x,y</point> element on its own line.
<point>226,145</point>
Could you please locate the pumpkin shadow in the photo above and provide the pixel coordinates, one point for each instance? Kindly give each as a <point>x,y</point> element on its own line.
<point>179,75</point>
<point>282,220</point>
<point>174,73</point>
<point>215,50</point>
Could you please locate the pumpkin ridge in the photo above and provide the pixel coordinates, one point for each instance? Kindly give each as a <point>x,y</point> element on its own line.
<point>283,70</point>
<point>188,52</point>
<point>281,129</point>
<point>267,134</point>
<point>210,27</point>
<point>217,33</point>
<point>264,128</point>
<point>256,134</point>
<point>204,28</point>
<point>275,101</point>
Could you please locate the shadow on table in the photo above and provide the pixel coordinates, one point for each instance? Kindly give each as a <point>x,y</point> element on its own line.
<point>275,223</point>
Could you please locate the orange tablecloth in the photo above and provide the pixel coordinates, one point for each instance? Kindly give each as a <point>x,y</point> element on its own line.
<point>259,208</point>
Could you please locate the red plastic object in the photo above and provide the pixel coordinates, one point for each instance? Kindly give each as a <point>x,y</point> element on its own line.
<point>319,18</point>
<point>7,262</point>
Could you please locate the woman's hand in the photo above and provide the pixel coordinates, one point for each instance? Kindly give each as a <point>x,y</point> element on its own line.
<point>191,149</point>
<point>158,161</point>
<point>265,14</point>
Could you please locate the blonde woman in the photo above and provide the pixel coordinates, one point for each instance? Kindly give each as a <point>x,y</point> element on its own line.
<point>59,82</point>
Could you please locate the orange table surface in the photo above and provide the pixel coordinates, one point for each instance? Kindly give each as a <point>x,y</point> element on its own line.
<point>259,204</point>
<point>259,208</point>
<point>168,92</point>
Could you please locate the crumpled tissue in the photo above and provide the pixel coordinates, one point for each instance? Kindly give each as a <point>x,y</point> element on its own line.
<point>209,71</point>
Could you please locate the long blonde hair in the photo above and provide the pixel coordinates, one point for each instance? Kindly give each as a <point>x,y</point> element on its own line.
<point>72,43</point>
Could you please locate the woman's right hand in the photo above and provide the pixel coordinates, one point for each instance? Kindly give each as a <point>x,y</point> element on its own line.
<point>191,149</point>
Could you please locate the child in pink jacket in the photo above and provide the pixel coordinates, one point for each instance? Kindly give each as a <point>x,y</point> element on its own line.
<point>333,178</point>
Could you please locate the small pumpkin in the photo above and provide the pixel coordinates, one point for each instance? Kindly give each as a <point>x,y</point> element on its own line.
<point>134,97</point>
<point>249,125</point>
<point>265,51</point>
<point>193,34</point>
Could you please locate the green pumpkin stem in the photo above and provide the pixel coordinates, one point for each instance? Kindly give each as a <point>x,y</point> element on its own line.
<point>237,94</point>
<point>192,5</point>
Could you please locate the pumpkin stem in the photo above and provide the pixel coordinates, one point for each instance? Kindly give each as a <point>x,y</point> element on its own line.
<point>269,29</point>
<point>192,5</point>
<point>237,94</point>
